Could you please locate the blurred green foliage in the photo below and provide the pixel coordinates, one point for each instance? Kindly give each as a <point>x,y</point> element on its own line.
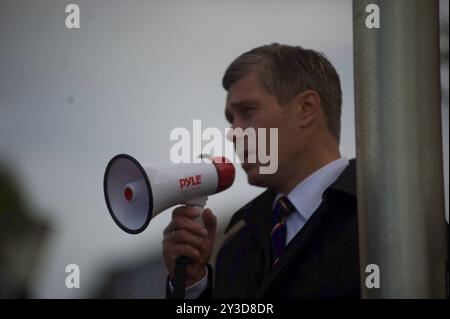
<point>22,237</point>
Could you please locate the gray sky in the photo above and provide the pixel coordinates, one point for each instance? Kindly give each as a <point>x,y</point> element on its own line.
<point>71,99</point>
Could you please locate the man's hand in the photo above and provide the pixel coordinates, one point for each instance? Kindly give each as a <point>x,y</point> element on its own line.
<point>186,237</point>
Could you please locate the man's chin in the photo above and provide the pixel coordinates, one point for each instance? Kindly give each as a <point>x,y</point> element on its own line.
<point>253,175</point>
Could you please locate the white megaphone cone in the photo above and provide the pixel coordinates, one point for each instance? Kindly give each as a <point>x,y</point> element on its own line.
<point>135,194</point>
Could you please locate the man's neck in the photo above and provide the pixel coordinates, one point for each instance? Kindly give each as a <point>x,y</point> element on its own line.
<point>304,167</point>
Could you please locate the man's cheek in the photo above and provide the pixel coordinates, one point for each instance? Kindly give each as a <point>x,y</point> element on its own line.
<point>268,156</point>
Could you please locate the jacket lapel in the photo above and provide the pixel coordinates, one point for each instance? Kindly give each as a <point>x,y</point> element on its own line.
<point>255,217</point>
<point>294,248</point>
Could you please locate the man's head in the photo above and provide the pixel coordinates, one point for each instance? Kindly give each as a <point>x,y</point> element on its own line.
<point>295,90</point>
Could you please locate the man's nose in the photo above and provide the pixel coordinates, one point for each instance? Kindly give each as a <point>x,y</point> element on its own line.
<point>231,136</point>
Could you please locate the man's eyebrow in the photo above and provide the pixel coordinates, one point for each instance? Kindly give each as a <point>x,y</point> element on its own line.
<point>244,103</point>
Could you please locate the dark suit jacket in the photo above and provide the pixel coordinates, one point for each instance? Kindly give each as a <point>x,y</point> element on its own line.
<point>321,261</point>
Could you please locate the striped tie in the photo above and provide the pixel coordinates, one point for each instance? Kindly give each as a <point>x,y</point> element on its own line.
<point>283,207</point>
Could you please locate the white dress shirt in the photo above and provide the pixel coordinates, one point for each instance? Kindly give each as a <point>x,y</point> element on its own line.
<point>307,195</point>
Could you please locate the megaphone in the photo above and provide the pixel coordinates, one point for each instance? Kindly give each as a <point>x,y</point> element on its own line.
<point>135,194</point>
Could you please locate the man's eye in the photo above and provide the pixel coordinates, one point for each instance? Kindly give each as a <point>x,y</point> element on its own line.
<point>247,111</point>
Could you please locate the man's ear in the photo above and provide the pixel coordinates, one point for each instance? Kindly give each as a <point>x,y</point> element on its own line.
<point>307,107</point>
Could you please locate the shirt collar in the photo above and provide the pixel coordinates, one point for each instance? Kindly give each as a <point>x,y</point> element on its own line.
<point>307,195</point>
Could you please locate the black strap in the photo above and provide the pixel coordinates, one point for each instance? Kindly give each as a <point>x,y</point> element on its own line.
<point>179,280</point>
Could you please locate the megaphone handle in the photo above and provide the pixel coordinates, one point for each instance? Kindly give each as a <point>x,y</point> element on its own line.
<point>179,280</point>
<point>179,277</point>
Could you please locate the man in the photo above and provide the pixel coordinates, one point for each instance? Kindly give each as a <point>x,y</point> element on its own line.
<point>299,238</point>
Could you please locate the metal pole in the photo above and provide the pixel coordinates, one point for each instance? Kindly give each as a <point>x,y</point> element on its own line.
<point>401,214</point>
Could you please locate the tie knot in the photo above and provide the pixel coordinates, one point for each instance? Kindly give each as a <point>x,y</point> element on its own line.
<point>283,207</point>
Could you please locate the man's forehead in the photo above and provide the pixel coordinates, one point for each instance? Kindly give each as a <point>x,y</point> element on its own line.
<point>243,102</point>
<point>247,89</point>
<point>250,81</point>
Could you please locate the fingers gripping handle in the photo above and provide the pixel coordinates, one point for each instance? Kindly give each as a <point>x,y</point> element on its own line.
<point>199,204</point>
<point>182,261</point>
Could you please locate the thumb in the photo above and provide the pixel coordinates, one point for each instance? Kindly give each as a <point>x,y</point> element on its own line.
<point>210,222</point>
